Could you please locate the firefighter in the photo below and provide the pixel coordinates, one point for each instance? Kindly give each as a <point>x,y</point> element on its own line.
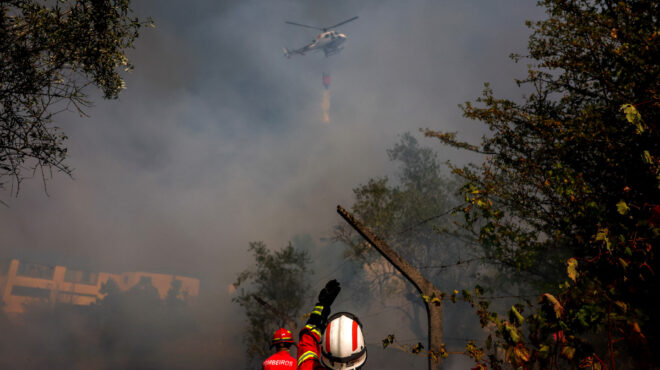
<point>282,360</point>
<point>342,344</point>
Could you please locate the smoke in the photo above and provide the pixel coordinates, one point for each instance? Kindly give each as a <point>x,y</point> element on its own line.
<point>210,145</point>
<point>130,330</point>
<point>325,106</point>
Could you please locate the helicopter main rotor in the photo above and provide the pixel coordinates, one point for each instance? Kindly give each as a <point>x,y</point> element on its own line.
<point>322,29</point>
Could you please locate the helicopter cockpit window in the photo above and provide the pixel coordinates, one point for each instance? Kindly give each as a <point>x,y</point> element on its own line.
<point>326,36</point>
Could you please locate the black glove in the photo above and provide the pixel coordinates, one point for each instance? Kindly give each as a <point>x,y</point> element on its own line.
<point>319,316</point>
<point>329,293</point>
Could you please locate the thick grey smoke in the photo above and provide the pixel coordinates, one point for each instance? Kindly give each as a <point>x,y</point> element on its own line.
<point>217,139</point>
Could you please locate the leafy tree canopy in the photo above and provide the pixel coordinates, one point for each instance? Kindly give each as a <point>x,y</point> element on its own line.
<point>271,294</point>
<point>413,214</point>
<point>49,52</point>
<point>403,211</point>
<point>570,188</point>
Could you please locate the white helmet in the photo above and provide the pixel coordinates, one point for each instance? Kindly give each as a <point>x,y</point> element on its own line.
<point>343,343</point>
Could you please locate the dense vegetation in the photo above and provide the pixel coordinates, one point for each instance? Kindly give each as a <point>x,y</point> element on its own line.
<point>49,53</point>
<point>565,205</point>
<point>569,192</point>
<point>272,294</point>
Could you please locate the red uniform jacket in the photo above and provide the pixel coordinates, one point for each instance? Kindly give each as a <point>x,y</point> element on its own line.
<point>282,360</point>
<point>308,348</point>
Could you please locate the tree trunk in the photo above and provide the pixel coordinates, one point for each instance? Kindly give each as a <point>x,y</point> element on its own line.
<point>430,294</point>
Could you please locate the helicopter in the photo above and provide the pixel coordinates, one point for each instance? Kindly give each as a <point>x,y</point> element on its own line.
<point>328,40</point>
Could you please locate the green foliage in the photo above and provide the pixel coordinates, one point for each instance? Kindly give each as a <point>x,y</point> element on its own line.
<point>280,279</point>
<point>402,213</point>
<point>389,340</point>
<point>417,349</point>
<point>50,52</point>
<point>406,212</point>
<point>573,177</point>
<point>433,299</point>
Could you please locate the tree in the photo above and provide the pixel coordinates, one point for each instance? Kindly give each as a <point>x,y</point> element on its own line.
<point>413,215</point>
<point>272,294</point>
<point>569,192</point>
<point>51,51</point>
<point>430,294</point>
<point>175,296</point>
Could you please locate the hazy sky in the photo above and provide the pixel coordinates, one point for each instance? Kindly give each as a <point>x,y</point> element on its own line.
<point>218,139</point>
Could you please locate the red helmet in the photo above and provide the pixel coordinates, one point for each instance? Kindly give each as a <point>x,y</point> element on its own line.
<point>282,336</point>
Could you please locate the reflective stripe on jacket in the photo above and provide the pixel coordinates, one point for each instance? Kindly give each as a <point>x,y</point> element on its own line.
<point>308,348</point>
